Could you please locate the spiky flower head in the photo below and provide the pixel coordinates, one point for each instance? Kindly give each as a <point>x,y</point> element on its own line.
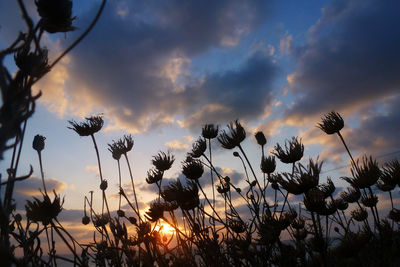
<point>268,164</point>
<point>209,131</point>
<point>155,212</point>
<point>359,214</point>
<point>193,169</point>
<point>260,137</point>
<point>90,126</point>
<point>45,210</point>
<point>154,176</point>
<point>237,225</point>
<point>365,174</point>
<point>115,150</point>
<point>187,197</point>
<point>314,200</point>
<point>293,152</point>
<point>390,176</point>
<point>34,64</point>
<point>331,123</point>
<point>351,195</point>
<point>38,142</point>
<point>236,135</point>
<point>126,143</point>
<point>198,148</point>
<point>163,161</point>
<point>341,204</point>
<point>328,188</point>
<point>369,200</point>
<point>56,15</point>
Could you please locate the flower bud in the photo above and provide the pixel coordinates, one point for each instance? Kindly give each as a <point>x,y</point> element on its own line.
<point>260,137</point>
<point>103,185</point>
<point>132,220</point>
<point>85,220</point>
<point>18,217</point>
<point>121,213</point>
<point>235,154</point>
<point>38,143</point>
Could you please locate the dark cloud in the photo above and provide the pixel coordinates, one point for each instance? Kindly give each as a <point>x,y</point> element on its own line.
<point>136,64</point>
<point>351,59</point>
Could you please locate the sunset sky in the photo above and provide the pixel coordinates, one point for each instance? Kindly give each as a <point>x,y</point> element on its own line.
<point>160,70</point>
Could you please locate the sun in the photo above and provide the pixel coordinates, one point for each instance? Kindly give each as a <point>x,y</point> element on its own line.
<point>165,229</point>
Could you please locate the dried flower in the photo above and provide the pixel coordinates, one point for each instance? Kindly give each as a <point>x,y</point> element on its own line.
<point>187,197</point>
<point>163,161</point>
<point>364,176</point>
<point>32,63</point>
<point>331,123</point>
<point>43,210</point>
<point>237,226</point>
<point>236,135</point>
<point>55,15</point>
<point>394,215</point>
<point>351,195</point>
<point>369,200</point>
<point>121,213</point>
<point>209,131</point>
<point>260,137</point>
<point>314,200</point>
<point>90,126</point>
<point>390,176</point>
<point>125,144</point>
<point>101,221</point>
<point>115,150</point>
<point>268,164</point>
<point>38,142</point>
<point>298,223</point>
<point>154,176</point>
<point>293,152</point>
<point>193,170</point>
<point>223,188</point>
<point>329,188</point>
<point>359,214</point>
<point>341,204</point>
<point>155,212</point>
<point>198,149</point>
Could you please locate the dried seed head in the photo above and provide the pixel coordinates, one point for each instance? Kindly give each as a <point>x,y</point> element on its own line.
<point>115,150</point>
<point>90,126</point>
<point>154,176</point>
<point>390,176</point>
<point>163,161</point>
<point>260,137</point>
<point>268,164</point>
<point>43,211</point>
<point>56,16</point>
<point>329,188</point>
<point>132,220</point>
<point>32,63</point>
<point>341,204</point>
<point>193,170</point>
<point>209,131</point>
<point>369,200</point>
<point>351,195</point>
<point>155,212</point>
<point>237,226</point>
<point>365,174</point>
<point>331,123</point>
<point>293,152</point>
<point>236,135</point>
<point>359,214</point>
<point>38,142</point>
<point>314,200</point>
<point>198,148</point>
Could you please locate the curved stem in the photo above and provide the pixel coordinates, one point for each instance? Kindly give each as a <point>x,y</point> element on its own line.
<point>41,171</point>
<point>348,151</point>
<point>133,185</point>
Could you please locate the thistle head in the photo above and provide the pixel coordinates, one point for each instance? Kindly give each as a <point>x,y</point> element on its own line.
<point>328,188</point>
<point>209,131</point>
<point>351,195</point>
<point>56,16</point>
<point>359,214</point>
<point>155,212</point>
<point>193,169</point>
<point>365,174</point>
<point>293,151</point>
<point>268,164</point>
<point>38,142</point>
<point>45,210</point>
<point>163,161</point>
<point>331,123</point>
<point>235,136</point>
<point>90,126</point>
<point>34,64</point>
<point>115,150</point>
<point>314,200</point>
<point>198,148</point>
<point>154,176</point>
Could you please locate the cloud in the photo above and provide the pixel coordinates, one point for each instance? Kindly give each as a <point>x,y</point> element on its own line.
<point>135,65</point>
<point>350,60</point>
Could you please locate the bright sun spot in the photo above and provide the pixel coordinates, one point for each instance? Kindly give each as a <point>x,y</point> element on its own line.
<point>165,229</point>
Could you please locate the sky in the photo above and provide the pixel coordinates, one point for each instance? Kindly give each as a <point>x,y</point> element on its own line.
<point>160,70</point>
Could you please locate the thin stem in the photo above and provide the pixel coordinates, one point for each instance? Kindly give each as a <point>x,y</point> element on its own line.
<point>41,171</point>
<point>348,151</point>
<point>133,185</point>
